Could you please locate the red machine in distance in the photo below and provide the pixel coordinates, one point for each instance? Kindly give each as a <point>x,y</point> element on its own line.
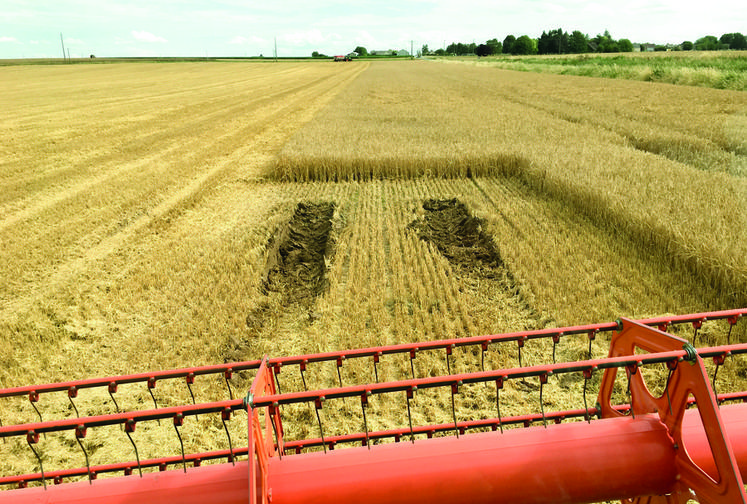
<point>686,443</point>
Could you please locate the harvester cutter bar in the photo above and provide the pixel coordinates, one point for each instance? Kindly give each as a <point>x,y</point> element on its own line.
<point>263,394</point>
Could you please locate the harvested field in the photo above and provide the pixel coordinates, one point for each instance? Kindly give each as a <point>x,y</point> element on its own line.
<point>188,214</point>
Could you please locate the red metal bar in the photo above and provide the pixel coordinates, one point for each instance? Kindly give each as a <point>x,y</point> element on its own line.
<point>464,426</point>
<point>489,376</point>
<point>731,315</point>
<point>429,430</point>
<point>567,463</point>
<point>131,378</point>
<point>358,390</point>
<point>357,438</point>
<point>120,418</point>
<point>271,400</point>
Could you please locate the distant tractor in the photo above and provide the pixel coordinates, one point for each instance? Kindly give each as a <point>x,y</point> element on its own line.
<point>347,57</point>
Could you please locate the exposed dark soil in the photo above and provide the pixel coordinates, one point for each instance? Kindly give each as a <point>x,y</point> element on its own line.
<point>295,266</point>
<point>294,275</point>
<point>459,237</point>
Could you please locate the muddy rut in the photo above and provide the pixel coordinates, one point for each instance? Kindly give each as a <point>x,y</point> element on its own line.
<point>459,236</point>
<point>296,265</point>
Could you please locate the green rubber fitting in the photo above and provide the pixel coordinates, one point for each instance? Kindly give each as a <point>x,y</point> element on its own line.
<point>692,353</point>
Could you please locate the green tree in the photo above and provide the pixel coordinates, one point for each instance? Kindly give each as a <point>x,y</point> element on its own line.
<point>687,45</point>
<point>424,51</point>
<point>605,43</point>
<point>483,50</point>
<point>624,45</point>
<point>525,45</point>
<point>739,42</point>
<point>315,54</point>
<point>578,43</point>
<point>544,43</point>
<point>460,49</point>
<point>508,44</point>
<point>553,42</point>
<point>361,51</point>
<point>495,46</point>
<point>735,41</point>
<point>707,43</point>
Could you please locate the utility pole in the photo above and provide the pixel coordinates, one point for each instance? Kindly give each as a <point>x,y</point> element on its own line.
<point>68,55</point>
<point>63,47</point>
<point>412,54</point>
<point>276,49</point>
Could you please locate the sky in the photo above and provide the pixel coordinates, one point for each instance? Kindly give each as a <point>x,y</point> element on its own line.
<point>31,28</point>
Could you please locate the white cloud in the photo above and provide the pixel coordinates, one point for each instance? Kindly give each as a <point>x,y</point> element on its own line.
<point>144,36</point>
<point>9,39</point>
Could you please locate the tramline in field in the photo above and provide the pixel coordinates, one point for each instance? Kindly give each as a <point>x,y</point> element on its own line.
<point>688,440</point>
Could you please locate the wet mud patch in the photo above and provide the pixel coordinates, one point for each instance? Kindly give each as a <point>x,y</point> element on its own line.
<point>296,264</point>
<point>459,236</point>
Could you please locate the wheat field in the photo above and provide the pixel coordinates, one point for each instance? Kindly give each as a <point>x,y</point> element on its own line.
<point>142,207</point>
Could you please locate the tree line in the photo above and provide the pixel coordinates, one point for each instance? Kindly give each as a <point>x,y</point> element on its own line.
<point>562,42</point>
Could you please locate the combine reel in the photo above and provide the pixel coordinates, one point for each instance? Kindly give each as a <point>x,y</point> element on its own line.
<point>684,442</point>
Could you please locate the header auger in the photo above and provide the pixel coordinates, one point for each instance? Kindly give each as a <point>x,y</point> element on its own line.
<point>685,441</point>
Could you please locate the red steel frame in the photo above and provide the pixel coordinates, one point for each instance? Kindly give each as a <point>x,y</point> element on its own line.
<point>658,424</point>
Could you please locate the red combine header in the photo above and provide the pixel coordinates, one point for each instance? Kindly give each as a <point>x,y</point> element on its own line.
<point>686,441</point>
